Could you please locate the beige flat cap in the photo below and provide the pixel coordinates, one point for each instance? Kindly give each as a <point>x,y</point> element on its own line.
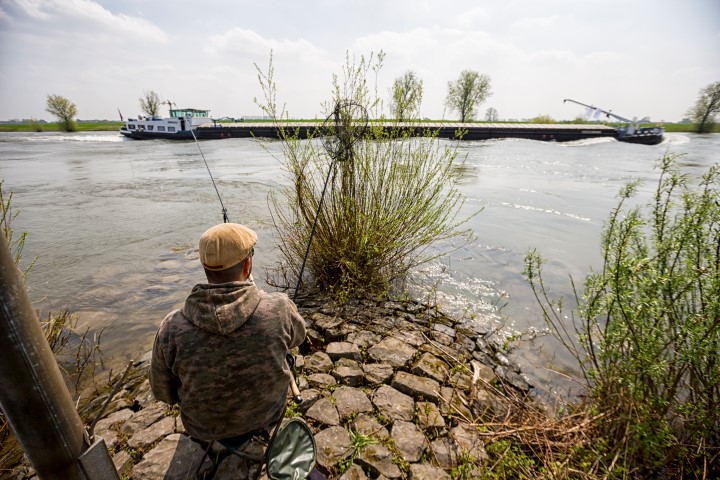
<point>225,245</point>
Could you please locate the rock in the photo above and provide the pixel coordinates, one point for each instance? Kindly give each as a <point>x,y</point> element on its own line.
<point>318,362</point>
<point>175,457</point>
<point>368,425</point>
<point>324,412</point>
<point>425,471</point>
<point>324,322</point>
<point>351,375</point>
<point>428,415</point>
<point>517,380</point>
<point>420,388</point>
<point>354,473</point>
<point>392,352</point>
<point>409,440</point>
<point>376,373</point>
<point>446,452</point>
<point>460,380</point>
<point>441,338</point>
<point>333,445</point>
<point>119,417</point>
<point>444,329</point>
<point>453,403</point>
<point>431,366</point>
<point>411,337</point>
<point>144,418</point>
<point>363,338</point>
<point>379,460</point>
<point>153,433</point>
<point>321,380</point>
<point>350,401</point>
<point>470,443</point>
<point>338,350</point>
<point>309,396</point>
<point>144,360</point>
<point>314,339</point>
<point>465,342</point>
<point>144,396</point>
<point>123,462</point>
<point>394,404</point>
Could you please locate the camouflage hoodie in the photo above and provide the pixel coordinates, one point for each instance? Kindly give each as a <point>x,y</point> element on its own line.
<point>222,358</point>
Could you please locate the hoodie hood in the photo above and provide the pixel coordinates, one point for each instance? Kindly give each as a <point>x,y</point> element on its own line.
<point>221,308</point>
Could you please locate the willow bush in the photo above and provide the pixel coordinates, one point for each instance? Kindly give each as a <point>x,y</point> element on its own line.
<point>389,195</point>
<point>647,330</point>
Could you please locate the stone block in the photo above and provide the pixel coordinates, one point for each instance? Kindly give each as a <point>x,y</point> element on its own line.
<point>318,362</point>
<point>350,401</point>
<point>333,445</point>
<point>392,351</point>
<point>429,416</point>
<point>409,440</point>
<point>378,459</point>
<point>324,412</point>
<point>420,388</point>
<point>394,404</point>
<point>338,350</point>
<point>377,373</point>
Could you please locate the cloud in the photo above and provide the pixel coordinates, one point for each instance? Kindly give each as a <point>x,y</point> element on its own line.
<point>246,42</point>
<point>472,17</point>
<point>73,17</point>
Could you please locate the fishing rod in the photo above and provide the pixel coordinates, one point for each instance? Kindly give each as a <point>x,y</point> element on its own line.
<point>224,210</point>
<point>338,141</point>
<point>289,358</point>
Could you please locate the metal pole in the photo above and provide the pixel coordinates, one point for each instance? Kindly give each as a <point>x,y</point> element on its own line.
<point>33,396</point>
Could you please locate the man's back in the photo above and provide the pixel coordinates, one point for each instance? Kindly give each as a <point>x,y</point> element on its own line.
<point>222,358</point>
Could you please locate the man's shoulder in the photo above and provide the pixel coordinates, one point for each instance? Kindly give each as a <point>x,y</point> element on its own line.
<point>173,321</point>
<point>275,302</point>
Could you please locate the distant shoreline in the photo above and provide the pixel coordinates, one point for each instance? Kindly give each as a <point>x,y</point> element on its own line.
<point>107,126</point>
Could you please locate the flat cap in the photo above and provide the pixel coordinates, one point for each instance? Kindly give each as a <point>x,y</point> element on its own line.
<point>225,245</point>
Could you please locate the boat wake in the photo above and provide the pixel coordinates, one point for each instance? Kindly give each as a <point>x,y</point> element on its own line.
<point>105,137</point>
<point>588,141</point>
<point>675,139</point>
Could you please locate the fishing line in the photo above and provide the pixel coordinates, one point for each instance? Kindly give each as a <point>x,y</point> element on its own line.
<point>338,142</point>
<point>224,210</point>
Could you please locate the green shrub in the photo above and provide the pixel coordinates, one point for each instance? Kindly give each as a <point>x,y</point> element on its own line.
<point>389,195</point>
<point>648,329</point>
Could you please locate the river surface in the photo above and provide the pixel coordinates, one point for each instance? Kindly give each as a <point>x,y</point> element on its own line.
<point>114,225</point>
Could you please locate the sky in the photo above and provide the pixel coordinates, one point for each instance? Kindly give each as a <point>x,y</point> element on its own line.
<point>637,58</point>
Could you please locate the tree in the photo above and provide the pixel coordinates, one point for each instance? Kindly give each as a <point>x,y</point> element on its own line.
<point>406,93</point>
<point>467,93</point>
<point>64,110</point>
<point>491,115</point>
<point>371,214</point>
<point>706,108</point>
<point>150,103</point>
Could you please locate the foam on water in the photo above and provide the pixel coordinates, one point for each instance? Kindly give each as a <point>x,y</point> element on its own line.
<point>91,137</point>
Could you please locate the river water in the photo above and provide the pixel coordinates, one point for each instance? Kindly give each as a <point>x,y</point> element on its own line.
<point>114,225</point>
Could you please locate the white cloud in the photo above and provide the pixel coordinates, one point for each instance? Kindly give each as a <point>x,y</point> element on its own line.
<point>83,17</point>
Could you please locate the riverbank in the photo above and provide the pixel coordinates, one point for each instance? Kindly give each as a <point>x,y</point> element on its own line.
<point>390,389</point>
<point>107,126</point>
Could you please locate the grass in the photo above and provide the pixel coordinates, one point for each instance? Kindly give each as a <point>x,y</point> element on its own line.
<point>57,127</point>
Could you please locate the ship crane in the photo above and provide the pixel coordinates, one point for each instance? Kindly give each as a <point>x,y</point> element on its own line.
<point>608,113</point>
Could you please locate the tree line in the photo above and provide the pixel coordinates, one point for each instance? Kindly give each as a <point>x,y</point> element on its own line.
<point>464,96</point>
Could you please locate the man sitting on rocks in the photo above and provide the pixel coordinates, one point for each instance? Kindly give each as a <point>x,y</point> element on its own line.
<point>221,357</point>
